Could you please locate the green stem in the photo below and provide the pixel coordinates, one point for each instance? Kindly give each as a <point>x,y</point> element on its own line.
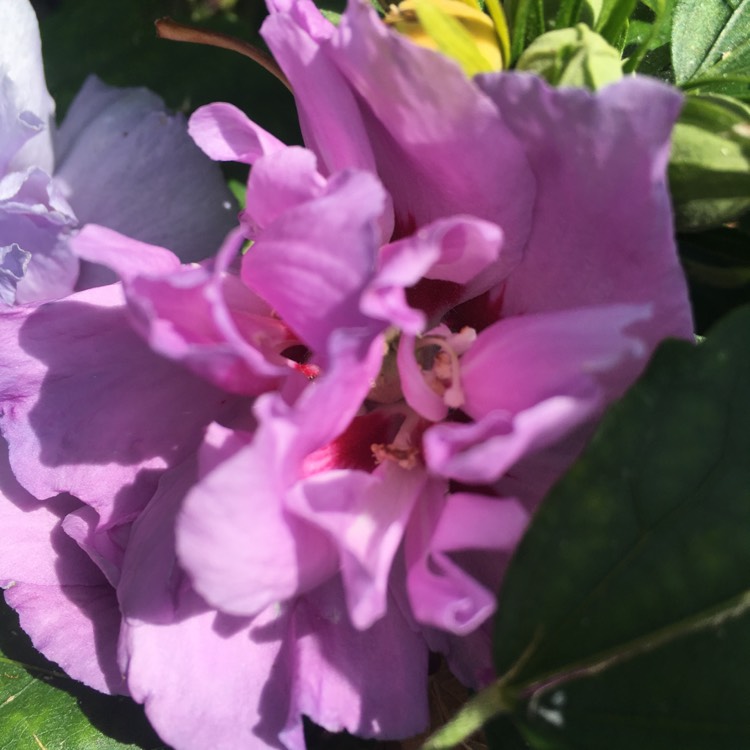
<point>712,617</point>
<point>476,712</point>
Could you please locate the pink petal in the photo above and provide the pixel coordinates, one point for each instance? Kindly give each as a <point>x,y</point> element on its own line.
<point>242,548</point>
<point>279,182</point>
<point>313,262</point>
<point>523,360</point>
<point>203,317</point>
<point>124,255</point>
<point>62,363</point>
<point>593,235</point>
<point>366,515</point>
<point>481,452</point>
<point>225,133</point>
<point>328,112</point>
<point>75,626</point>
<point>429,127</point>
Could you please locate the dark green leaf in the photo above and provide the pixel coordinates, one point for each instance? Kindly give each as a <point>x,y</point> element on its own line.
<point>646,34</point>
<point>717,263</point>
<point>526,23</point>
<point>564,13</point>
<point>502,733</point>
<point>337,7</point>
<point>710,38</point>
<point>568,14</point>
<point>709,169</point>
<point>42,708</point>
<point>624,616</point>
<point>689,695</point>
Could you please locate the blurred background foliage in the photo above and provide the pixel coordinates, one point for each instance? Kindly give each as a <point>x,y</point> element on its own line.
<point>117,42</point>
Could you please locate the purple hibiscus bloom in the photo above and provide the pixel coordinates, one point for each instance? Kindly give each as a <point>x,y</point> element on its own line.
<point>275,481</point>
<point>118,159</point>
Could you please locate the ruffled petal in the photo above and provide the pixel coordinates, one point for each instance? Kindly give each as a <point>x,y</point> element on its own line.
<point>461,251</point>
<point>593,234</point>
<point>430,128</point>
<point>36,219</point>
<point>244,550</point>
<point>366,515</point>
<point>481,452</point>
<point>312,263</point>
<point>200,316</point>
<point>441,593</point>
<point>62,364</point>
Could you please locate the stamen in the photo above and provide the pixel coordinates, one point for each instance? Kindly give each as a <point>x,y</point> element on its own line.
<point>406,458</point>
<point>167,28</point>
<point>401,450</point>
<point>444,375</point>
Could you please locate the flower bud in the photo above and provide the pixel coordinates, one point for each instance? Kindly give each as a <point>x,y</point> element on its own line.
<point>573,57</point>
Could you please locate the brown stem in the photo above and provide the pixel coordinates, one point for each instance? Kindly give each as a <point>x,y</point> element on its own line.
<point>166,28</point>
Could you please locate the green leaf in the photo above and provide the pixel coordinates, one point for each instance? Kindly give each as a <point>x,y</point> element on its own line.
<point>526,21</point>
<point>709,168</point>
<point>652,701</point>
<point>612,22</point>
<point>332,16</point>
<point>41,708</point>
<point>645,36</point>
<point>239,191</point>
<point>710,39</point>
<point>717,263</point>
<point>502,733</point>
<point>736,86</point>
<point>569,12</point>
<point>625,612</point>
<point>530,19</point>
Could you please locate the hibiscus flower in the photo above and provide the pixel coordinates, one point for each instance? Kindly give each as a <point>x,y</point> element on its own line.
<point>283,477</point>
